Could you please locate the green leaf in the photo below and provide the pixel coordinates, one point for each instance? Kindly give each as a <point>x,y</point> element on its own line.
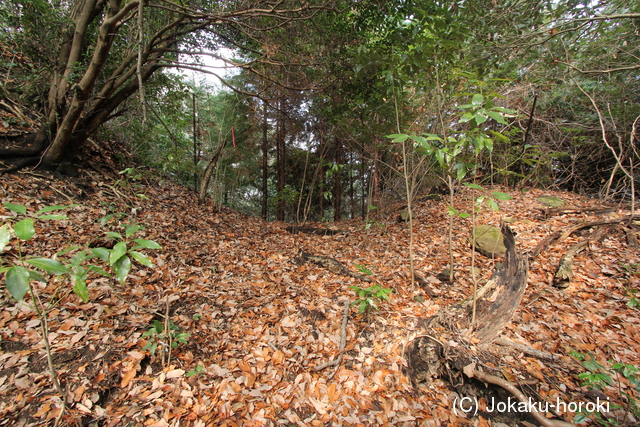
<point>5,236</point>
<point>141,258</point>
<point>49,265</point>
<point>398,137</point>
<point>480,118</point>
<point>579,419</point>
<point>363,306</point>
<point>452,211</point>
<point>114,235</point>
<point>461,171</point>
<point>53,217</point>
<point>158,326</point>
<point>440,157</point>
<point>96,269</point>
<point>433,137</point>
<point>504,110</point>
<point>493,205</point>
<point>131,230</point>
<point>122,267</point>
<point>499,136</point>
<point>80,288</point>
<point>17,279</point>
<point>464,215</point>
<point>144,243</point>
<point>21,209</point>
<point>52,208</point>
<point>102,253</point>
<point>466,117</point>
<point>78,259</point>
<point>24,229</point>
<point>500,195</point>
<point>117,252</point>
<point>67,250</point>
<point>497,117</point>
<point>37,276</point>
<point>488,143</point>
<point>473,186</point>
<point>477,99</point>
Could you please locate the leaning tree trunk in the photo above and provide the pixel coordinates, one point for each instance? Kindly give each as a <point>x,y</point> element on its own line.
<point>208,172</point>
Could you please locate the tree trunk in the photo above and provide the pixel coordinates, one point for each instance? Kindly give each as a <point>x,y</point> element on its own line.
<point>208,172</point>
<point>265,162</point>
<point>337,181</point>
<point>281,158</point>
<point>376,177</point>
<point>81,92</point>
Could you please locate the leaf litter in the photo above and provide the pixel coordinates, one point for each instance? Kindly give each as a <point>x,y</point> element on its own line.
<point>259,322</point>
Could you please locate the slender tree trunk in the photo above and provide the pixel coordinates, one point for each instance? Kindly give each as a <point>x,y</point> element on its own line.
<point>376,177</point>
<point>281,150</point>
<point>265,163</point>
<point>208,172</point>
<point>321,195</point>
<point>337,183</point>
<point>352,202</point>
<point>365,186</point>
<point>195,152</point>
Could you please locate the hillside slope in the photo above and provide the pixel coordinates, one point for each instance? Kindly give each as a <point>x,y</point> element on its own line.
<point>260,319</point>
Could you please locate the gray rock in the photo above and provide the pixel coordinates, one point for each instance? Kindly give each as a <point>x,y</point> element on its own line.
<point>551,201</point>
<point>488,241</point>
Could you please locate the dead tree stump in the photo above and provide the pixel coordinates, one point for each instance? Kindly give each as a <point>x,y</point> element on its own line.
<point>455,350</point>
<point>450,335</point>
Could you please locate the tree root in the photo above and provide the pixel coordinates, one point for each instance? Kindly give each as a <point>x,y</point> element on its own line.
<point>511,388</point>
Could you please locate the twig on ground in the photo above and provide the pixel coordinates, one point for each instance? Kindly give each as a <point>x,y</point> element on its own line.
<point>343,342</point>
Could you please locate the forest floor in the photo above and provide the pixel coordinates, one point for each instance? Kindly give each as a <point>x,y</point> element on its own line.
<point>260,320</point>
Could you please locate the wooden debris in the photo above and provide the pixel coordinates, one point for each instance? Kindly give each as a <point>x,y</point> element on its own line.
<point>564,274</point>
<point>451,346</point>
<point>549,211</point>
<point>313,230</point>
<point>496,303</point>
<point>545,243</point>
<point>527,350</point>
<point>332,265</point>
<point>551,240</point>
<point>343,342</point>
<point>632,239</point>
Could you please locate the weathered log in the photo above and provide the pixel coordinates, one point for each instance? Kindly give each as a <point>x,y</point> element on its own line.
<point>312,230</point>
<point>564,274</point>
<point>332,265</point>
<point>556,238</point>
<point>548,211</point>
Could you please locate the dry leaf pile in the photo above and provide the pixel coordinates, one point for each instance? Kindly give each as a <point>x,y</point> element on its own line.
<point>260,320</point>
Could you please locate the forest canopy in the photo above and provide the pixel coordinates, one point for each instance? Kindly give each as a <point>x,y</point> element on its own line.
<point>535,93</point>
